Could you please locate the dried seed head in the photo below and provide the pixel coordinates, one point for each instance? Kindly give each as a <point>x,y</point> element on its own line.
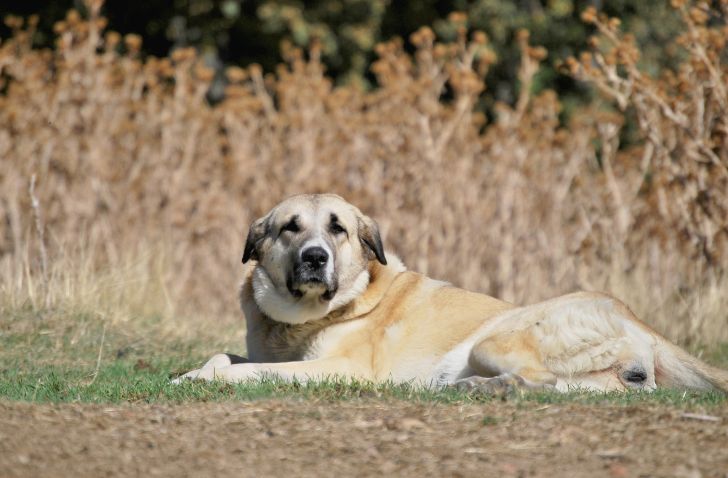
<point>235,74</point>
<point>112,39</point>
<point>589,15</point>
<point>166,68</point>
<point>255,70</point>
<point>698,15</point>
<point>204,73</point>
<point>423,37</point>
<point>133,42</point>
<point>72,17</point>
<point>570,65</point>
<point>538,53</point>
<point>13,22</point>
<point>479,37</point>
<point>182,55</point>
<point>59,27</point>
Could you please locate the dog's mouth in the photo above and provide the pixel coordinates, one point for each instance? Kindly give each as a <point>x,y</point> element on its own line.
<point>310,284</point>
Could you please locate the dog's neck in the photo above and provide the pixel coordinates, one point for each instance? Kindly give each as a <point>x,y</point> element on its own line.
<point>380,278</point>
<point>272,340</point>
<point>364,294</point>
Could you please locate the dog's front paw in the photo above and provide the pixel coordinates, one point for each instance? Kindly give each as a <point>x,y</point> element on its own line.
<point>207,372</point>
<point>199,374</point>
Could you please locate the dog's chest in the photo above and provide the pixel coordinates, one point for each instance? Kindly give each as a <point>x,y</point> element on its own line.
<point>272,341</point>
<point>333,339</point>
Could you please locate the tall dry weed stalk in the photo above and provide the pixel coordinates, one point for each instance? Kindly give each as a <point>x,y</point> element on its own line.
<point>128,154</point>
<point>679,190</point>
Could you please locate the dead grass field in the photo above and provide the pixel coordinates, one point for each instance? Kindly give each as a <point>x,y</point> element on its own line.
<point>143,192</point>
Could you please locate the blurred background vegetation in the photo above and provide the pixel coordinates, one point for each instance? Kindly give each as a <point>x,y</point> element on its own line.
<point>121,177</point>
<point>241,32</point>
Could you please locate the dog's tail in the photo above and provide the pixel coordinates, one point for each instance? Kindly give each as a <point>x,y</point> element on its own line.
<point>675,368</point>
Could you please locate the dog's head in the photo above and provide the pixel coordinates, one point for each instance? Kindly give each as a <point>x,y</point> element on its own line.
<point>312,254</point>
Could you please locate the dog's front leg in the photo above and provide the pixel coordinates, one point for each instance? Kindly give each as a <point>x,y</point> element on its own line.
<point>305,370</point>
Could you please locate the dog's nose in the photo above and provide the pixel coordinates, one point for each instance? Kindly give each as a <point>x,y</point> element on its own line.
<point>315,256</point>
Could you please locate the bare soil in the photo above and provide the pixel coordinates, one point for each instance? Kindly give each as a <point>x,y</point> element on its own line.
<point>360,438</point>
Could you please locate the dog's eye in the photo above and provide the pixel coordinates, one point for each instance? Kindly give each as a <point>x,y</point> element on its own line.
<point>336,228</point>
<point>291,226</point>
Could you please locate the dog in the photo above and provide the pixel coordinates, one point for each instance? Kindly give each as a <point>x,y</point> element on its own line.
<point>323,299</point>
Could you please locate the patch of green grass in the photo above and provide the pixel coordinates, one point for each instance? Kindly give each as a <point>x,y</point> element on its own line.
<point>128,381</point>
<point>76,358</point>
<point>677,398</point>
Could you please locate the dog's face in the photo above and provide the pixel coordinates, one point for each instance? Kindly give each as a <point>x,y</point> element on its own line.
<point>313,253</point>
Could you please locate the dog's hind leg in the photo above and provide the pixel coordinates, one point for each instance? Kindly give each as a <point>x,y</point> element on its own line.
<point>581,341</point>
<point>504,362</point>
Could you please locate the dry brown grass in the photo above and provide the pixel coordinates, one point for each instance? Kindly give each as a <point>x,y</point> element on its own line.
<point>131,162</point>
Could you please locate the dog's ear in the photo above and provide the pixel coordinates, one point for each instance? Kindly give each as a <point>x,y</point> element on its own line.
<point>255,234</point>
<point>370,238</point>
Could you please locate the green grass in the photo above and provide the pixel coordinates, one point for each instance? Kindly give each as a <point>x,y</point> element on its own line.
<point>57,360</point>
<point>149,382</point>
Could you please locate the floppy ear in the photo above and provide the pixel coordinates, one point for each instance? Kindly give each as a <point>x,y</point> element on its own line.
<point>255,234</point>
<point>370,238</point>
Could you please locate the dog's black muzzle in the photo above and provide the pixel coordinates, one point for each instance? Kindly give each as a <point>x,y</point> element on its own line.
<point>309,274</point>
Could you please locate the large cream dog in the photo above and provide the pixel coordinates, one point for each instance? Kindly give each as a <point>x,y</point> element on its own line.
<point>322,300</point>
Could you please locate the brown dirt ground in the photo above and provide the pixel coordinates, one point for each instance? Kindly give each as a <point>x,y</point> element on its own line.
<point>303,438</point>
